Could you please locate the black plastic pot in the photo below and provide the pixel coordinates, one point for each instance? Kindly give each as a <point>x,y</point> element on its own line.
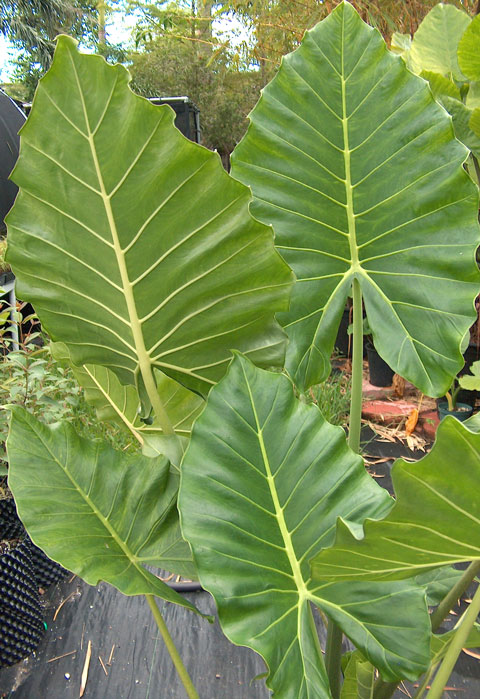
<point>21,616</point>
<point>46,571</point>
<point>343,339</point>
<point>23,570</point>
<point>462,412</point>
<point>380,373</point>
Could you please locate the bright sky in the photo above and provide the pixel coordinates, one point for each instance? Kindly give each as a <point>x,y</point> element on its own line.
<point>118,31</point>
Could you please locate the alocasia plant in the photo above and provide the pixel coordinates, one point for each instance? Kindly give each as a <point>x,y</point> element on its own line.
<point>141,257</point>
<point>148,268</point>
<point>355,165</point>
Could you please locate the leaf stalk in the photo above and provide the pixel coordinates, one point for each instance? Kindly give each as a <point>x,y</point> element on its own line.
<point>357,370</point>
<point>333,656</point>
<point>174,654</point>
<point>454,650</point>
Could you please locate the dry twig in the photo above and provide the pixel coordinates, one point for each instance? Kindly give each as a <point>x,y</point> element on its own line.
<point>61,656</point>
<point>103,665</point>
<point>85,669</point>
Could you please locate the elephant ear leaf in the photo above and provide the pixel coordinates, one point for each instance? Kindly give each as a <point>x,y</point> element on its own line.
<point>356,166</point>
<point>101,513</point>
<point>263,480</point>
<point>435,43</point>
<point>435,520</point>
<point>145,254</point>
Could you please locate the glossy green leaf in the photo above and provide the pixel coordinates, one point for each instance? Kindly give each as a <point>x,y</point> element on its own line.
<point>359,678</point>
<point>263,481</point>
<point>461,116</point>
<point>117,403</point>
<point>100,513</point>
<point>356,166</point>
<point>469,50</point>
<point>435,520</point>
<point>145,253</point>
<point>435,43</point>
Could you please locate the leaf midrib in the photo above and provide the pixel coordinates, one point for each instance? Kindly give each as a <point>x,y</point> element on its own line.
<point>352,238</point>
<point>279,515</point>
<point>143,359</point>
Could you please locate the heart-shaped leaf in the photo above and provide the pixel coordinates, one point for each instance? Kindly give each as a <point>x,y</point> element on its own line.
<point>146,255</point>
<point>99,512</point>
<point>263,481</point>
<point>356,166</point>
<point>469,50</point>
<point>435,43</point>
<point>435,520</point>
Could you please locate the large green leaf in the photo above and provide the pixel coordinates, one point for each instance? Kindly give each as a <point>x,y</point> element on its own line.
<point>99,512</point>
<point>469,50</point>
<point>134,245</point>
<point>263,481</point>
<point>435,43</point>
<point>356,166</point>
<point>435,520</point>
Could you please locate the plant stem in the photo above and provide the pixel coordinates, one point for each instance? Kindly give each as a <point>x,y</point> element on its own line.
<point>454,650</point>
<point>333,652</point>
<point>357,370</point>
<point>426,681</point>
<point>333,656</point>
<point>177,661</point>
<point>454,595</point>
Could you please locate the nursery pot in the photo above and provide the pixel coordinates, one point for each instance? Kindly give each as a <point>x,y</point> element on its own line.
<point>379,371</point>
<point>21,616</point>
<point>461,412</point>
<point>342,341</point>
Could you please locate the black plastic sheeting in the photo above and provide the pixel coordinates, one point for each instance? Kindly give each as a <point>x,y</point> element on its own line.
<point>141,667</point>
<point>11,120</point>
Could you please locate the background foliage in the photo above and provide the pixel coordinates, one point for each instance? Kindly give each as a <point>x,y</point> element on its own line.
<point>218,53</point>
